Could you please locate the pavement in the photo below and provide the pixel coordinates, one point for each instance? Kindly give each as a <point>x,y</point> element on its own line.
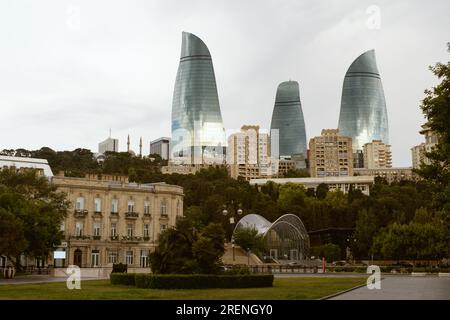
<point>38,279</point>
<point>405,287</point>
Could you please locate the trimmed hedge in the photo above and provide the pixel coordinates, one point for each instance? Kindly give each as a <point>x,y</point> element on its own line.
<point>126,279</point>
<point>202,281</point>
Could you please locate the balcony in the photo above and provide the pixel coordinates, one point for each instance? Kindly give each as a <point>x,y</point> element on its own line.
<point>80,237</point>
<point>98,214</point>
<point>131,239</point>
<point>131,215</point>
<point>147,215</point>
<point>164,216</point>
<point>80,213</point>
<point>146,238</point>
<point>114,214</point>
<point>114,238</point>
<point>96,237</point>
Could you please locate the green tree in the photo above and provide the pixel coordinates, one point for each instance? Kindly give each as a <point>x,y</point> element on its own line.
<point>331,252</point>
<point>32,212</point>
<point>249,239</point>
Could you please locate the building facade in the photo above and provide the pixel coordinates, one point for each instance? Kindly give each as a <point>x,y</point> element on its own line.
<point>110,144</point>
<point>331,155</point>
<point>363,114</point>
<point>198,135</point>
<point>419,152</point>
<point>21,163</point>
<point>377,155</point>
<point>343,184</point>
<point>287,128</point>
<point>114,221</point>
<point>248,153</point>
<point>161,147</point>
<point>390,174</point>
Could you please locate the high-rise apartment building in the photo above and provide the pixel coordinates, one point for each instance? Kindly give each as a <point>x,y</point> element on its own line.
<point>419,152</point>
<point>249,153</point>
<point>331,154</point>
<point>377,155</point>
<point>363,115</point>
<point>287,129</point>
<point>198,135</point>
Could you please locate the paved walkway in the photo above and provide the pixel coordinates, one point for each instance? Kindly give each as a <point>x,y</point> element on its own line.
<point>403,288</point>
<point>37,279</point>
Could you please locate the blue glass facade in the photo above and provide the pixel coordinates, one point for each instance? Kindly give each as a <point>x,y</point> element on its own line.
<point>363,113</point>
<point>198,135</point>
<point>288,122</point>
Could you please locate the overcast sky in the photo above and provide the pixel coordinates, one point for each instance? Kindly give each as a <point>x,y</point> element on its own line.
<point>70,70</point>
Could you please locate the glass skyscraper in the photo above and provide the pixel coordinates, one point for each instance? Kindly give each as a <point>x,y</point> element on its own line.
<point>363,113</point>
<point>198,135</point>
<point>287,129</point>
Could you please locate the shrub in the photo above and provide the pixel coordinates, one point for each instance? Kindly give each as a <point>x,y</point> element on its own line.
<point>119,267</point>
<point>203,281</point>
<point>126,279</point>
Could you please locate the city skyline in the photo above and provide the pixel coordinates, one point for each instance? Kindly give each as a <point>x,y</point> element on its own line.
<point>79,78</point>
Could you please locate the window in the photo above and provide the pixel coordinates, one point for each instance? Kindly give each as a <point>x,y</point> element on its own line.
<point>163,227</point>
<point>163,210</point>
<point>79,204</point>
<point>130,206</point>
<point>112,257</point>
<point>113,229</point>
<point>115,205</point>
<point>145,261</point>
<point>97,205</point>
<point>62,226</point>
<point>146,207</point>
<point>79,229</point>
<point>146,231</point>
<point>97,229</point>
<point>178,207</point>
<point>129,257</point>
<point>95,258</point>
<point>130,230</point>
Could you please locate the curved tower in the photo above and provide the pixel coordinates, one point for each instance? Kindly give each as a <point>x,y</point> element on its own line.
<point>363,113</point>
<point>198,135</point>
<point>287,129</point>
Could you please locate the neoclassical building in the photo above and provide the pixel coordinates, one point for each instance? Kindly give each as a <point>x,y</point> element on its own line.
<point>112,221</point>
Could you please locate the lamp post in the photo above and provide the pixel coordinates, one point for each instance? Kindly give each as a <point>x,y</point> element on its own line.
<point>235,213</point>
<point>232,245</point>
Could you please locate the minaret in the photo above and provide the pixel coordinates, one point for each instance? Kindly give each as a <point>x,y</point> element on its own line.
<point>128,144</point>
<point>140,147</point>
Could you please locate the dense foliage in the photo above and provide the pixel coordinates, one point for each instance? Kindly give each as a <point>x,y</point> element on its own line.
<point>31,212</point>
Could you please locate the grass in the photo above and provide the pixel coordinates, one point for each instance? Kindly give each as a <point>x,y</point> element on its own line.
<point>284,288</point>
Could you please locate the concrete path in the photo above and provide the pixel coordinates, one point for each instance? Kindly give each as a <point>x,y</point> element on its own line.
<point>38,279</point>
<point>403,288</point>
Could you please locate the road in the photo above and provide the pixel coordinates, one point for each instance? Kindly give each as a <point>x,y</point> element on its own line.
<point>403,288</point>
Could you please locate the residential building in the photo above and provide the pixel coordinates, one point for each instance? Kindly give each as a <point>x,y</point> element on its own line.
<point>287,128</point>
<point>419,152</point>
<point>331,155</point>
<point>248,153</point>
<point>377,155</point>
<point>198,135</point>
<point>363,114</point>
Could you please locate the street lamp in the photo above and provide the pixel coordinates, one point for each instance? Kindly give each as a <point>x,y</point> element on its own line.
<point>235,212</point>
<point>232,246</point>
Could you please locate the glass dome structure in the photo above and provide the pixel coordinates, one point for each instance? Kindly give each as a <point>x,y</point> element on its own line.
<point>285,239</point>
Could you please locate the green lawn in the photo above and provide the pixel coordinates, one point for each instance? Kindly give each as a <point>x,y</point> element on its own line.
<point>284,288</point>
